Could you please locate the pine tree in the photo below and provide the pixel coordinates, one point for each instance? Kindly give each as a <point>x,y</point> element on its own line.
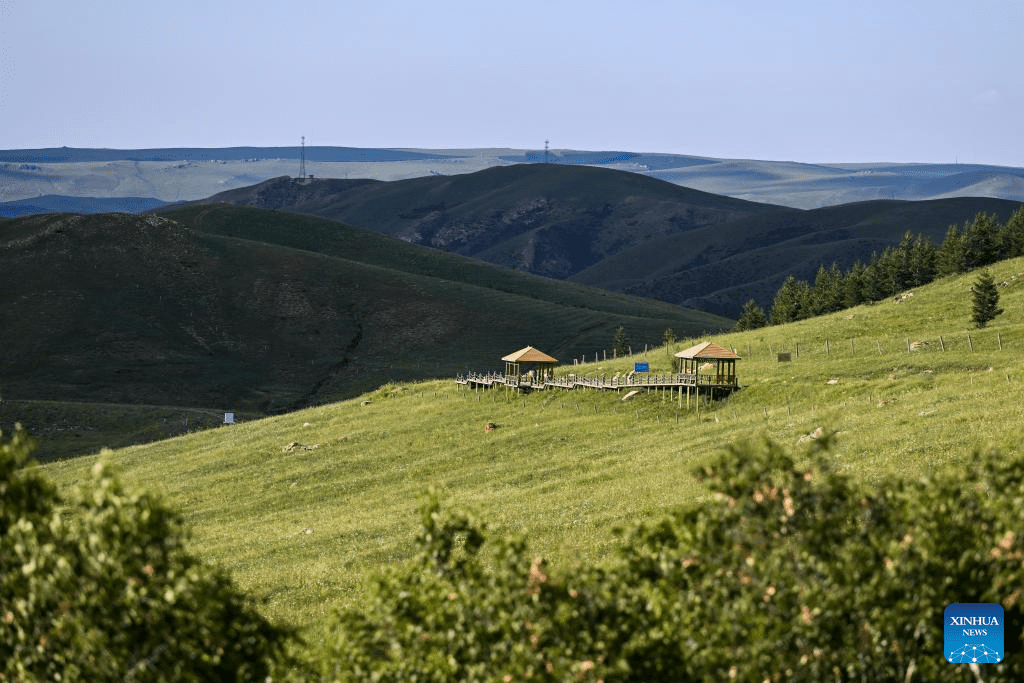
<point>986,300</point>
<point>873,280</point>
<point>1012,235</point>
<point>751,317</point>
<point>902,276</point>
<point>952,256</point>
<point>621,342</point>
<point>827,292</point>
<point>981,237</point>
<point>922,261</point>
<point>792,302</point>
<point>853,286</point>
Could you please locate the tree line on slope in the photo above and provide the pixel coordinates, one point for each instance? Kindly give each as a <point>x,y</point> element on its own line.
<point>915,261</point>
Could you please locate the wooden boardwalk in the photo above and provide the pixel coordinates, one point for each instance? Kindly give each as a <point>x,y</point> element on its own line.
<point>572,381</point>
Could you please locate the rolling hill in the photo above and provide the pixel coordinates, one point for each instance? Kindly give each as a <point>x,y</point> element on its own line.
<point>910,388</point>
<point>617,230</point>
<point>719,269</point>
<point>545,219</point>
<point>250,310</point>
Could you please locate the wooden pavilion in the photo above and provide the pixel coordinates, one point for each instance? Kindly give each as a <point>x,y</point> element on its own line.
<point>529,360</point>
<point>697,359</point>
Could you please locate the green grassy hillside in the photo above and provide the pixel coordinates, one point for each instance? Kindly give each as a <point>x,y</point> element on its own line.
<point>300,506</point>
<point>250,310</point>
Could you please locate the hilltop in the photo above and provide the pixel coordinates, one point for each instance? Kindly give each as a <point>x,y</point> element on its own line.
<point>255,311</point>
<point>619,231</point>
<point>331,492</point>
<point>544,219</point>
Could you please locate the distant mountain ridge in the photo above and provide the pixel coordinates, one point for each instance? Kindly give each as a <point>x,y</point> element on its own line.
<point>618,230</point>
<point>184,174</point>
<point>61,204</point>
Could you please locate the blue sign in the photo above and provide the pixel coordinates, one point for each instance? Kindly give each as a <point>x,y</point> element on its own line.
<point>641,367</point>
<point>973,633</point>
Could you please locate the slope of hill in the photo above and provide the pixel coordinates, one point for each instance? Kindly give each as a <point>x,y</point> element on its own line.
<point>545,219</point>
<point>718,269</point>
<point>909,386</point>
<point>619,231</point>
<point>253,310</point>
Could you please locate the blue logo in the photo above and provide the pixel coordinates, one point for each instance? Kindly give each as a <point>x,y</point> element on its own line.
<point>973,633</point>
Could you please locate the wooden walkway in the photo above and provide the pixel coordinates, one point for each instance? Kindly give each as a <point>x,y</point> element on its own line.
<point>633,381</point>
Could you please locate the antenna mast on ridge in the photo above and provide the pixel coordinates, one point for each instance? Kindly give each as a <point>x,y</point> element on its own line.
<point>545,151</point>
<point>302,163</point>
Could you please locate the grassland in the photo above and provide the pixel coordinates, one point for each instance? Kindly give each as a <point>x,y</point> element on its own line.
<point>247,310</point>
<point>302,527</point>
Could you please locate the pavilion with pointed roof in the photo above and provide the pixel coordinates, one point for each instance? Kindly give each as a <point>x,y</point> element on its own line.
<point>696,359</point>
<point>526,359</point>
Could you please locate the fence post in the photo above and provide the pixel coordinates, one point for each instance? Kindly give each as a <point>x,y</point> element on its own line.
<point>969,342</point>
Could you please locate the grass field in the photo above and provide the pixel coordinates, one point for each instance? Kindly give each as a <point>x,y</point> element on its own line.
<point>224,309</point>
<point>302,527</point>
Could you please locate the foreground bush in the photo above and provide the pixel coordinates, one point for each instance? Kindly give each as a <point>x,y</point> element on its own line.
<point>98,587</point>
<point>787,573</point>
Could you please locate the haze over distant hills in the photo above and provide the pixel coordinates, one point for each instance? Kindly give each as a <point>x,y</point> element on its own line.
<point>184,174</point>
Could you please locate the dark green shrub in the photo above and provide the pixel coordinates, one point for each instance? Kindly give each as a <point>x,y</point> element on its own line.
<point>98,586</point>
<point>788,572</point>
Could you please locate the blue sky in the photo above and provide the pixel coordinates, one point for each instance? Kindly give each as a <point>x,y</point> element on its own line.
<point>908,81</point>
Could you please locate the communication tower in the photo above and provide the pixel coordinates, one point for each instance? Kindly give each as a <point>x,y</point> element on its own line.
<point>302,163</point>
<point>545,151</point>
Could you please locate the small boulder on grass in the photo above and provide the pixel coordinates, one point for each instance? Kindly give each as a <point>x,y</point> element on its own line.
<point>296,446</point>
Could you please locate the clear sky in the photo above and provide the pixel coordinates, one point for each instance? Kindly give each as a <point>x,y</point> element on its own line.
<point>864,80</point>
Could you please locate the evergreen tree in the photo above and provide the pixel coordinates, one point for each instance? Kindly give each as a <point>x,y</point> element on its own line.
<point>792,301</point>
<point>986,300</point>
<point>873,281</point>
<point>901,276</point>
<point>827,293</point>
<point>952,256</point>
<point>1012,235</point>
<point>751,317</point>
<point>922,261</point>
<point>621,342</point>
<point>981,237</point>
<point>853,285</point>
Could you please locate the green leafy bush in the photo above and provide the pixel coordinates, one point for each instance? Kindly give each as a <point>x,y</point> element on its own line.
<point>99,587</point>
<point>787,572</point>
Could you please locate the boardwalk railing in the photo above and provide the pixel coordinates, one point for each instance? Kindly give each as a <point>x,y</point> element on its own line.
<point>571,381</point>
